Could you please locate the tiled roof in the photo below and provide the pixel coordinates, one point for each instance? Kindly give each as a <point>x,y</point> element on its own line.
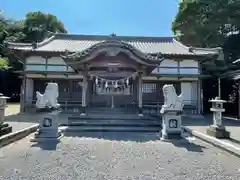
<point>78,43</point>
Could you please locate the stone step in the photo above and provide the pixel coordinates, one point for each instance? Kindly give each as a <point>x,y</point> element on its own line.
<point>107,117</point>
<point>116,136</point>
<point>109,129</point>
<point>133,123</point>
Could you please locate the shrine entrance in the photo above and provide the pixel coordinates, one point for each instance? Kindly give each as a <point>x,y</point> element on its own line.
<point>114,93</point>
<point>112,74</point>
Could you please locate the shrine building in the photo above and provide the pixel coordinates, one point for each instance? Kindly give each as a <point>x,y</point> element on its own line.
<point>112,71</point>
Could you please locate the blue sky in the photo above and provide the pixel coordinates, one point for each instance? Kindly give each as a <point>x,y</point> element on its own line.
<point>123,17</point>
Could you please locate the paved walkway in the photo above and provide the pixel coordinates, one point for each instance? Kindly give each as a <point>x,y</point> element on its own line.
<point>20,121</point>
<point>16,120</point>
<point>116,156</point>
<point>201,125</point>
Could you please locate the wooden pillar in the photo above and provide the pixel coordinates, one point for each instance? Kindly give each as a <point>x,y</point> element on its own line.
<point>84,90</point>
<point>219,87</point>
<point>140,112</point>
<point>238,100</point>
<point>199,97</point>
<point>23,91</point>
<point>22,98</point>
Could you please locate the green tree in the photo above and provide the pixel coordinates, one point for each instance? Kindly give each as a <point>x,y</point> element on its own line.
<point>205,23</point>
<point>34,28</point>
<point>37,26</point>
<point>215,23</point>
<point>3,63</point>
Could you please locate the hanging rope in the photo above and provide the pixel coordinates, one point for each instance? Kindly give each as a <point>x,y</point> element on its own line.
<point>109,83</point>
<point>106,83</point>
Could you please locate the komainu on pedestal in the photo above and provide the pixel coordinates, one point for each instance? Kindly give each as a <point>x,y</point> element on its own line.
<point>48,100</point>
<point>48,106</point>
<point>171,113</point>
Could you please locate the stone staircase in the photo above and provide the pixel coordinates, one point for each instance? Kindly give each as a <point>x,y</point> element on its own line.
<point>112,120</point>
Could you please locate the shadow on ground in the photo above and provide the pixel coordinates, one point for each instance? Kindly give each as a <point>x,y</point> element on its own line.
<point>189,146</point>
<point>50,145</point>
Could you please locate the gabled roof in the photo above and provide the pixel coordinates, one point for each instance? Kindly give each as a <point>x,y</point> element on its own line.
<point>78,43</point>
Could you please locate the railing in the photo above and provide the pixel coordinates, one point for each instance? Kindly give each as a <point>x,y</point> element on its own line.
<point>149,107</point>
<point>176,70</point>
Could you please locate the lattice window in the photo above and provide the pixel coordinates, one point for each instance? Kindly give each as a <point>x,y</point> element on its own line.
<point>148,88</point>
<point>76,86</point>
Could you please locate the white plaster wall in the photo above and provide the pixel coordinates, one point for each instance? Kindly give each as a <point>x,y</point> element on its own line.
<point>168,63</point>
<point>29,90</point>
<point>188,63</point>
<point>41,64</point>
<point>194,92</point>
<point>56,60</point>
<point>189,90</point>
<point>56,68</point>
<point>35,60</point>
<point>35,68</point>
<point>185,67</point>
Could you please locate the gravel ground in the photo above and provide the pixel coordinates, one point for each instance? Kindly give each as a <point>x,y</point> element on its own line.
<point>116,157</point>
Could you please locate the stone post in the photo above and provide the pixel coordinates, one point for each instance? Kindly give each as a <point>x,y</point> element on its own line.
<point>4,127</point>
<point>140,113</point>
<point>217,129</point>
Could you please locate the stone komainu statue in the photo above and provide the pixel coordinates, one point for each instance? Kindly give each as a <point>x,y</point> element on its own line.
<point>172,102</point>
<point>49,98</point>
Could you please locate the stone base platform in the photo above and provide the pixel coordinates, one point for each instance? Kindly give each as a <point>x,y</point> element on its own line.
<point>43,136</point>
<point>218,132</point>
<point>5,129</point>
<point>171,136</point>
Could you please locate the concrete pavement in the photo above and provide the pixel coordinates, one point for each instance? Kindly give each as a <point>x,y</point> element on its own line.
<point>116,156</point>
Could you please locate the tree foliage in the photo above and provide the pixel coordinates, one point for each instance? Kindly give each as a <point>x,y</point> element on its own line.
<point>34,28</point>
<point>211,23</point>
<point>37,25</point>
<point>3,63</point>
<point>205,23</point>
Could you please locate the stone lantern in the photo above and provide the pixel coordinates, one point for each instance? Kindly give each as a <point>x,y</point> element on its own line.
<point>4,127</point>
<point>217,129</point>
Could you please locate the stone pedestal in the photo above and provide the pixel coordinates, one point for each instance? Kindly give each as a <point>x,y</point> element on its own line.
<point>217,129</point>
<point>171,125</point>
<point>48,127</point>
<point>4,127</point>
<point>218,132</point>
